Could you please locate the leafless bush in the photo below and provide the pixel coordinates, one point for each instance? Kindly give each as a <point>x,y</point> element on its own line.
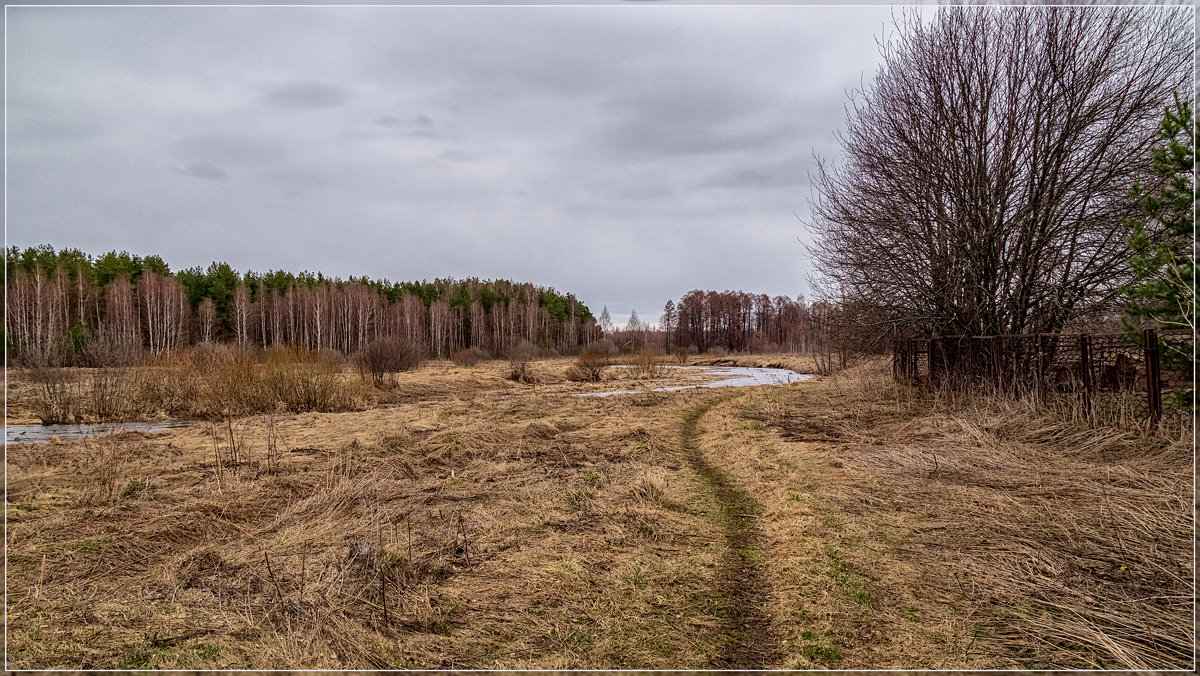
<point>166,383</point>
<point>588,366</point>
<point>608,347</point>
<point>382,358</point>
<point>110,393</point>
<point>56,400</point>
<point>467,358</point>
<point>681,355</point>
<point>518,361</point>
<point>230,382</point>
<point>307,380</point>
<point>645,362</point>
<point>102,353</point>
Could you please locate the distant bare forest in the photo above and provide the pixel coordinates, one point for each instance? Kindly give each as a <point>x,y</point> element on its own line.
<point>736,321</point>
<point>68,307</point>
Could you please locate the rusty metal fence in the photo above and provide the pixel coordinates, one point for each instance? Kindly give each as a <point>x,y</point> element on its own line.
<point>1113,377</point>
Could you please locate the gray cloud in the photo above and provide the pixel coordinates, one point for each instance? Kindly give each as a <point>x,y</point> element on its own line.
<point>789,173</point>
<point>204,170</point>
<point>238,149</point>
<point>624,153</point>
<point>302,95</point>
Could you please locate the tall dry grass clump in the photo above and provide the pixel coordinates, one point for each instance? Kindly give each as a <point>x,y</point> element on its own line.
<point>214,381</point>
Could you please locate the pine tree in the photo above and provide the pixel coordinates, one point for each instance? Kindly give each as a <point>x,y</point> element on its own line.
<point>1163,241</point>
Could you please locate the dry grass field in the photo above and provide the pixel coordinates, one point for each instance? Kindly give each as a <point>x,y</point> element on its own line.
<point>461,520</point>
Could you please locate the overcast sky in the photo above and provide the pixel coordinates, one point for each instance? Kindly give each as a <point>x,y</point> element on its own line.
<point>625,153</point>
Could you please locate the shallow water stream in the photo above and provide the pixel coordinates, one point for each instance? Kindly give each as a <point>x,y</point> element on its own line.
<point>730,376</point>
<point>736,376</point>
<point>40,434</point>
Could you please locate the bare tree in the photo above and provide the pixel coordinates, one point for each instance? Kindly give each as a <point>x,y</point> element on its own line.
<point>986,170</point>
<point>207,319</point>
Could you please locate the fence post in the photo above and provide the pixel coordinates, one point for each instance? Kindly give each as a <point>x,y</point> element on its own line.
<point>896,360</point>
<point>1041,367</point>
<point>997,349</point>
<point>912,361</point>
<point>933,361</point>
<point>914,368</point>
<point>1153,379</point>
<point>964,370</point>
<point>1085,365</point>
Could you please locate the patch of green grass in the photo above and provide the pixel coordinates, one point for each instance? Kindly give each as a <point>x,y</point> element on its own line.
<point>912,614</point>
<point>210,651</point>
<point>594,477</point>
<point>27,507</point>
<point>577,496</point>
<point>136,488</point>
<point>751,555</point>
<point>636,576</point>
<point>849,580</point>
<point>817,651</point>
<point>798,496</point>
<point>87,547</point>
<point>141,655</point>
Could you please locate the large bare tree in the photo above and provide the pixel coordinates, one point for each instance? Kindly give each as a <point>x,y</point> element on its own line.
<point>986,169</point>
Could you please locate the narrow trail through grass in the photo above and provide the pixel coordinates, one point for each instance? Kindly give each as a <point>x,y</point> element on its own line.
<point>751,640</point>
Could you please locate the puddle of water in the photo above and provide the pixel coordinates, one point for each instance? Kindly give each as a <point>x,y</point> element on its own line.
<point>740,376</point>
<point>40,434</point>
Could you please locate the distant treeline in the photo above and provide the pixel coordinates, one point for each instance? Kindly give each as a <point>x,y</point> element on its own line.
<point>735,321</point>
<point>71,307</point>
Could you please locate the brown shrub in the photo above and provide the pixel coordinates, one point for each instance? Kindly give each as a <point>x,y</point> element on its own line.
<point>384,357</point>
<point>588,366</point>
<point>645,363</point>
<point>518,361</point>
<point>56,398</point>
<point>681,354</point>
<point>466,358</point>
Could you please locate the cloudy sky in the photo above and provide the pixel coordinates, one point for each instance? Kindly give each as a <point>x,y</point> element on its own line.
<point>625,153</point>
